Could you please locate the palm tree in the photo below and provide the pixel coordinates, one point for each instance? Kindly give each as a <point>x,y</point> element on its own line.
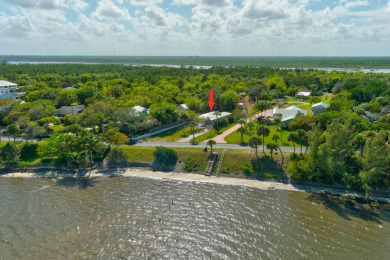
<point>250,125</point>
<point>293,137</point>
<point>241,122</point>
<point>272,147</point>
<point>90,143</point>
<point>275,137</point>
<point>281,126</point>
<point>217,113</point>
<point>360,141</point>
<point>13,129</point>
<point>260,106</point>
<point>255,142</point>
<point>302,136</point>
<point>211,143</point>
<point>264,131</point>
<point>193,124</point>
<point>242,130</point>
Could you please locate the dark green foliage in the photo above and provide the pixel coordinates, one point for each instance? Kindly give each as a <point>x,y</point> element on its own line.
<point>165,155</point>
<point>10,155</point>
<point>191,165</point>
<point>164,112</point>
<point>116,158</point>
<point>265,164</point>
<point>29,151</point>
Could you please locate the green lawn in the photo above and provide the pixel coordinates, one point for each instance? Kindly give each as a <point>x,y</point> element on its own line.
<point>194,158</point>
<point>174,135</point>
<point>57,128</point>
<point>213,133</point>
<point>236,160</point>
<point>235,137</point>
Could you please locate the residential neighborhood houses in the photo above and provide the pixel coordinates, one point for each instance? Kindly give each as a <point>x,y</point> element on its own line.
<point>287,114</point>
<point>303,95</point>
<point>69,110</point>
<point>8,90</point>
<point>319,108</point>
<point>142,110</point>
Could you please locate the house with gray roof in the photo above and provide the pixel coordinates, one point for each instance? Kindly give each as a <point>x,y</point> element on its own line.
<point>319,108</point>
<point>211,117</point>
<point>69,110</point>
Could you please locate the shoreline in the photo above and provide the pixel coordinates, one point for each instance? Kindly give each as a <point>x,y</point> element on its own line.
<point>200,178</point>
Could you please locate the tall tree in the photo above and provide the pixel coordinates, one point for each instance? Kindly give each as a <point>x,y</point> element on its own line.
<point>275,137</point>
<point>193,125</point>
<point>217,114</point>
<point>255,142</point>
<point>263,130</point>
<point>293,137</point>
<point>272,147</point>
<point>211,143</point>
<point>12,129</point>
<point>242,130</point>
<point>250,125</point>
<point>302,137</point>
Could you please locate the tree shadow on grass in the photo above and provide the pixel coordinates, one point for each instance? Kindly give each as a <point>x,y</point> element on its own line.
<point>265,164</point>
<point>349,208</point>
<point>82,183</point>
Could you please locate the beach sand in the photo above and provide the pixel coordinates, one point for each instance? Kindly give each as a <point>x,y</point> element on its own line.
<point>258,184</point>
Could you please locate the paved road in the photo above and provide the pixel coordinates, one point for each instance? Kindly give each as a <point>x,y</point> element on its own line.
<point>181,145</point>
<point>203,145</point>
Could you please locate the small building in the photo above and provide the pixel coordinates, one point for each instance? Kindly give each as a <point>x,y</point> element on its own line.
<point>241,106</point>
<point>69,110</point>
<point>319,108</point>
<point>182,107</point>
<point>374,116</point>
<point>8,90</point>
<point>211,117</point>
<point>142,110</point>
<point>303,95</point>
<point>288,114</point>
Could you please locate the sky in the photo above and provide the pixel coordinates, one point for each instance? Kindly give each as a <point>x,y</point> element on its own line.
<point>195,27</point>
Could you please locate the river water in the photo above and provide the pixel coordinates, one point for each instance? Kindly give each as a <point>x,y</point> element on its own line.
<point>139,218</point>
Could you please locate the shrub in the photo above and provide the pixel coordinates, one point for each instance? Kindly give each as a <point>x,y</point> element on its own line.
<point>190,165</point>
<point>48,120</point>
<point>247,170</point>
<point>10,154</point>
<point>29,152</point>
<point>225,170</point>
<point>165,155</point>
<point>116,157</point>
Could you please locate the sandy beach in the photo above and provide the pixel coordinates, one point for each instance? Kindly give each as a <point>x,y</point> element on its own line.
<point>258,184</point>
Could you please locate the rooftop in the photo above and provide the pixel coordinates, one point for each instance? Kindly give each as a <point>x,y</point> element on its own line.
<point>70,110</point>
<point>4,83</point>
<point>320,105</point>
<point>213,117</point>
<point>288,113</point>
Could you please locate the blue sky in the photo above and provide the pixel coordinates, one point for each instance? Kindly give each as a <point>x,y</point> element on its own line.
<point>195,27</point>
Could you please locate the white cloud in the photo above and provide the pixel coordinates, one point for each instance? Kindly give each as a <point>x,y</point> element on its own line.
<point>215,3</point>
<point>356,4</point>
<point>146,2</point>
<point>108,10</point>
<point>16,26</point>
<point>42,4</point>
<point>78,5</point>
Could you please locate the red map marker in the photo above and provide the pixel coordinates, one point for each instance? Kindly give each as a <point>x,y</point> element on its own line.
<point>211,102</point>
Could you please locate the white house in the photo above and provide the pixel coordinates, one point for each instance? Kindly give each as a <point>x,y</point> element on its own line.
<point>8,90</point>
<point>288,114</point>
<point>319,108</point>
<point>211,117</point>
<point>142,110</point>
<point>182,107</point>
<point>303,95</point>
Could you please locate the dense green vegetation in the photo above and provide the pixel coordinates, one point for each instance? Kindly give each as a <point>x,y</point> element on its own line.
<point>344,146</point>
<point>283,62</point>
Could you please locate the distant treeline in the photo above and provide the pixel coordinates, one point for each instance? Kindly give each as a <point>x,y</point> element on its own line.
<point>277,62</point>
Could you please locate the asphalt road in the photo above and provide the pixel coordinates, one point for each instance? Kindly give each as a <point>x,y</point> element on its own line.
<point>180,145</point>
<point>203,145</point>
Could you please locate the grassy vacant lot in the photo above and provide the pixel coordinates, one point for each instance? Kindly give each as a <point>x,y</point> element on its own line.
<point>236,160</point>
<point>213,133</point>
<point>195,159</point>
<point>235,137</point>
<point>173,135</point>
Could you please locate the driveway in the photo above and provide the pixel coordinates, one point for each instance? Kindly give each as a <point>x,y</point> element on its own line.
<point>220,139</point>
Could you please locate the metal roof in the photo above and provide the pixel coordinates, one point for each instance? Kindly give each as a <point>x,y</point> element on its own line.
<point>213,117</point>
<point>4,83</point>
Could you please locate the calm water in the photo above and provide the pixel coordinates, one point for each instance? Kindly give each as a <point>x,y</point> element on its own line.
<point>134,218</point>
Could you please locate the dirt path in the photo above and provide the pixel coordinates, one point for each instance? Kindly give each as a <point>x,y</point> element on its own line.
<point>220,139</point>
